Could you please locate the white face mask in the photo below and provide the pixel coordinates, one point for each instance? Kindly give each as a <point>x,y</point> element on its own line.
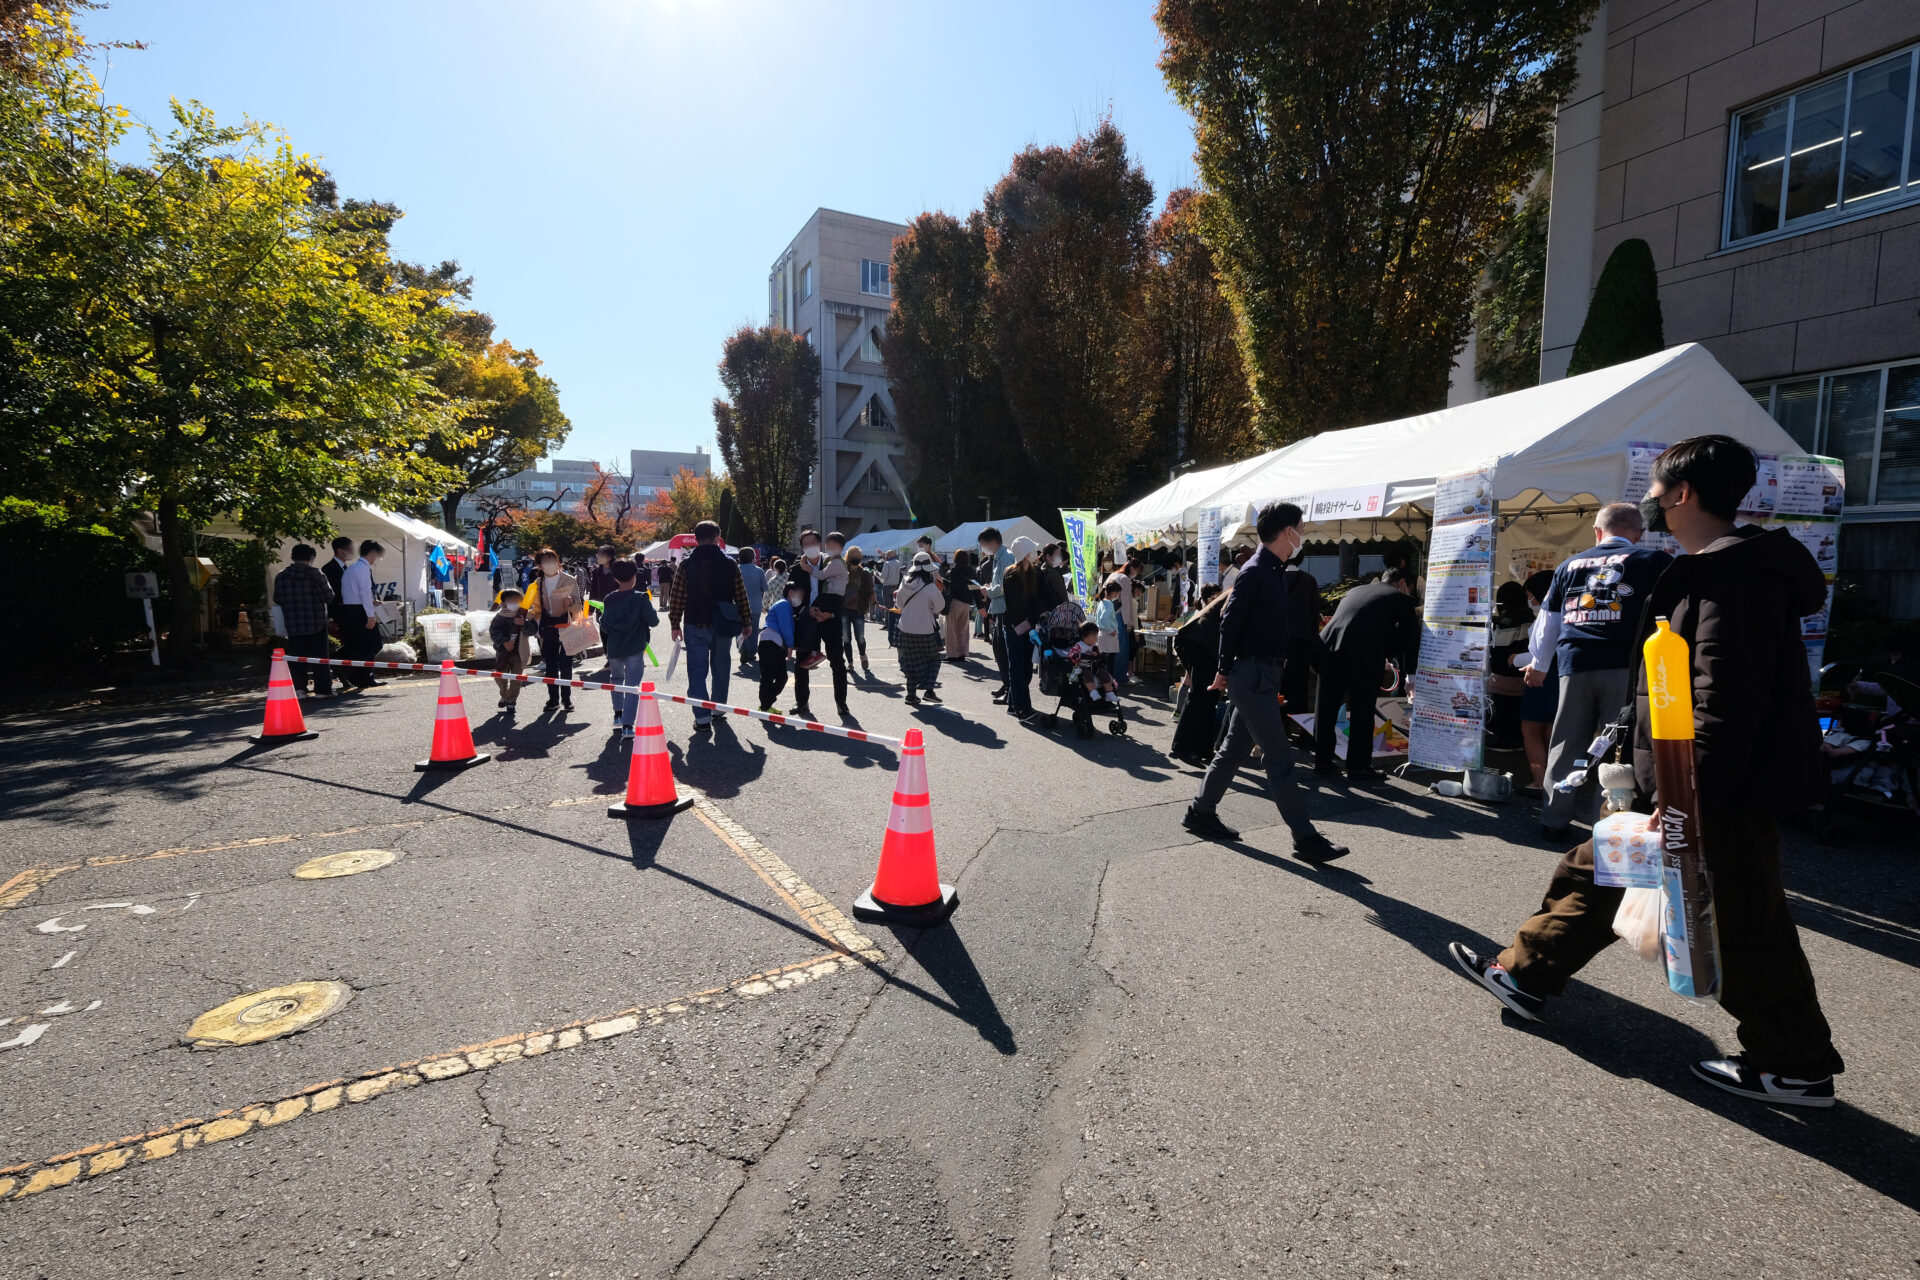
<point>811,553</point>
<point>796,600</point>
<point>1055,561</point>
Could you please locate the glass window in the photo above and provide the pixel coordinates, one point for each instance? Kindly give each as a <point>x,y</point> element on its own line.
<point>1796,407</point>
<point>877,483</point>
<point>874,278</point>
<point>806,282</point>
<point>1813,164</point>
<point>1877,130</point>
<point>1820,154</point>
<point>1900,438</point>
<point>1853,420</point>
<point>870,348</point>
<point>1758,171</point>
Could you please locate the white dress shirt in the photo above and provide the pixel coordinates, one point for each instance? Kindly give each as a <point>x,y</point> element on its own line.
<point>356,585</point>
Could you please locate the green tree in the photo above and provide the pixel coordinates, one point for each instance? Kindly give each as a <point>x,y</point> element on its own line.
<point>1507,320</point>
<point>508,413</point>
<point>188,335</point>
<point>950,406</point>
<point>1363,159</point>
<point>768,428</point>
<point>1066,233</point>
<point>1623,317</point>
<point>1205,411</point>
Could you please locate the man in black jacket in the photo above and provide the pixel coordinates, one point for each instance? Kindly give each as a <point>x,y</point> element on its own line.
<point>1737,598</point>
<point>1373,623</point>
<point>1253,651</point>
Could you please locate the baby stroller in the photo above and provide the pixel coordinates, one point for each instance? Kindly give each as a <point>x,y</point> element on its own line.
<point>1059,629</point>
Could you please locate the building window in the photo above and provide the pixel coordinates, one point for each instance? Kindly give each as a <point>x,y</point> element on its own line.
<point>1834,149</point>
<point>870,347</point>
<point>807,337</point>
<point>876,278</point>
<point>877,483</point>
<point>1868,418</point>
<point>806,282</point>
<point>874,415</point>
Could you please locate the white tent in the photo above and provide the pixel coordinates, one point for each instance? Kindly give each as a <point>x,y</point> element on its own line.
<point>968,534</point>
<point>1166,507</point>
<point>407,541</point>
<point>1558,450</point>
<point>880,541</point>
<point>654,551</point>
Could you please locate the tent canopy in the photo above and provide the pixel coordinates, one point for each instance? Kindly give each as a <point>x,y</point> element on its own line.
<point>881,541</point>
<point>1550,446</point>
<point>407,541</point>
<point>1165,507</point>
<point>966,535</point>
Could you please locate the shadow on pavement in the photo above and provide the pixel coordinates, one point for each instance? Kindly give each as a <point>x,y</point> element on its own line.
<point>944,956</point>
<point>958,727</point>
<point>644,839</point>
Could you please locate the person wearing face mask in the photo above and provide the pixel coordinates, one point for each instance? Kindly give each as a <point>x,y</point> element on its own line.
<point>1053,576</point>
<point>776,643</point>
<point>919,602</point>
<point>1372,624</point>
<point>710,599</point>
<point>1736,597</point>
<point>1587,622</point>
<point>359,623</point>
<point>859,599</point>
<point>825,575</point>
<point>990,573</point>
<point>557,599</point>
<point>1253,651</point>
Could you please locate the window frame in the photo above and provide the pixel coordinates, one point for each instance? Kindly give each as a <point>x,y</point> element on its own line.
<point>1822,445</point>
<point>1907,194</point>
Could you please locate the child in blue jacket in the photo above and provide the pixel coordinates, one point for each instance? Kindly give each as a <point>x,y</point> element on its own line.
<point>776,643</point>
<point>627,619</point>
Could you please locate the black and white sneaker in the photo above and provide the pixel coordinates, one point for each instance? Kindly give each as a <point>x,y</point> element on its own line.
<point>1736,1076</point>
<point>1486,971</point>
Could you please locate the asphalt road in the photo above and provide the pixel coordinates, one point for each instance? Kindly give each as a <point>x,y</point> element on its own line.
<point>572,1046</point>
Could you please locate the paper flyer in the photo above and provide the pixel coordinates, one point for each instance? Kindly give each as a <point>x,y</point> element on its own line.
<point>1463,544</point>
<point>1457,695</point>
<point>1442,742</point>
<point>1460,594</point>
<point>1640,456</point>
<point>1810,486</point>
<point>1448,647</point>
<point>1209,547</point>
<point>1464,495</point>
<point>1760,500</point>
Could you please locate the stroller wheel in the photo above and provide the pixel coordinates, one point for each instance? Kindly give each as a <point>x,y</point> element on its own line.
<point>1118,728</point>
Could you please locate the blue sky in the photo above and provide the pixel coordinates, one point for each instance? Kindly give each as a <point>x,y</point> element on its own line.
<point>618,175</point>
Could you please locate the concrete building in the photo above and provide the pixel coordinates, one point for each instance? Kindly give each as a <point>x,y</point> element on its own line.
<point>833,286</point>
<point>560,482</point>
<point>1768,151</point>
<point>651,470</point>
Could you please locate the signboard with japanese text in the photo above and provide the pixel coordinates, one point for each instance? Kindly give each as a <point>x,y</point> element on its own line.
<point>1209,547</point>
<point>1366,502</point>
<point>1447,730</point>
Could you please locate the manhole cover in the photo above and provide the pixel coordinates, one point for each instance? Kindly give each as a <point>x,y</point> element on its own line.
<point>267,1015</point>
<point>344,864</point>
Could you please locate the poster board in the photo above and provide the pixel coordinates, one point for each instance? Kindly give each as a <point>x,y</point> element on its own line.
<point>1209,552</point>
<point>1447,729</point>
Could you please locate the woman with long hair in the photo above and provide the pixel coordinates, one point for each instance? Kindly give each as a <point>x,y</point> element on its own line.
<point>1198,644</point>
<point>960,606</point>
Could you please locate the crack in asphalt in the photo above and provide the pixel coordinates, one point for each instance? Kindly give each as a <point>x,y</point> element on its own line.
<point>499,1164</point>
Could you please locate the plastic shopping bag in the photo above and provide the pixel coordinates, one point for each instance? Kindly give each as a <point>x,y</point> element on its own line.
<point>1637,922</point>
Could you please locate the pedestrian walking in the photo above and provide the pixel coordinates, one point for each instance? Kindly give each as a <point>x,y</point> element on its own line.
<point>892,570</point>
<point>854,607</point>
<point>1373,625</point>
<point>1126,577</point>
<point>959,606</point>
<point>991,574</point>
<point>1020,600</point>
<point>508,629</point>
<point>555,599</point>
<point>755,580</point>
<point>919,611</point>
<point>1736,598</point>
<point>1253,650</point>
<point>777,642</point>
<point>627,619</point>
<point>1591,614</point>
<point>306,602</point>
<point>600,580</point>
<point>359,618</point>
<point>710,598</point>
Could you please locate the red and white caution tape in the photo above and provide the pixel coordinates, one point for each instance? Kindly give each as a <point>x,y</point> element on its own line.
<point>521,677</point>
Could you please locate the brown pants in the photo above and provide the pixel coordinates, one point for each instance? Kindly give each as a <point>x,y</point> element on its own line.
<point>1765,981</point>
<point>959,629</point>
<point>511,661</point>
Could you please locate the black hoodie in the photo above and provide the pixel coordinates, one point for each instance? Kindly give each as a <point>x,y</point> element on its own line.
<point>1738,604</point>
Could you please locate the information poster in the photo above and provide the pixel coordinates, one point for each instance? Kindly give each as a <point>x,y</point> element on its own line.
<point>1811,495</point>
<point>1760,500</point>
<point>1210,547</point>
<point>1448,722</point>
<point>1640,456</point>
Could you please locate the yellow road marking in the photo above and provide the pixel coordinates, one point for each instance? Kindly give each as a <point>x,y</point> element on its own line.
<point>30,1178</point>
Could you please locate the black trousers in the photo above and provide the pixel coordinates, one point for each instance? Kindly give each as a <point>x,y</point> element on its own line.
<point>313,645</point>
<point>829,637</point>
<point>1195,734</point>
<point>773,672</point>
<point>1359,692</point>
<point>1293,681</point>
<point>359,642</point>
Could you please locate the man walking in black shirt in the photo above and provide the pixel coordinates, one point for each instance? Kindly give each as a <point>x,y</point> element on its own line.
<point>1253,651</point>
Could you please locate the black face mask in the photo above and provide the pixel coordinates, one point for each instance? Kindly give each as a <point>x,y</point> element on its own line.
<point>1653,515</point>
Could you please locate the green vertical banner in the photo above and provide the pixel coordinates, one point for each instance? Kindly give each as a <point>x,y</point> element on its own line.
<point>1083,549</point>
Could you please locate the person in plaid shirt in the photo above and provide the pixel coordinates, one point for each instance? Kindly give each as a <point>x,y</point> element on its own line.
<point>304,597</point>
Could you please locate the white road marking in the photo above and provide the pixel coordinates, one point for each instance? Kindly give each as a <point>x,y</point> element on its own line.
<point>27,1036</point>
<point>63,960</point>
<point>54,926</point>
<point>55,1010</point>
<point>108,906</point>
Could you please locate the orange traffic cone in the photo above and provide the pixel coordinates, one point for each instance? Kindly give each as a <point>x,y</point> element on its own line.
<point>284,722</point>
<point>650,789</point>
<point>452,738</point>
<point>907,889</point>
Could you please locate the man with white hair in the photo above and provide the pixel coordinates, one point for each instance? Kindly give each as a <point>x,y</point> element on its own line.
<point>1590,616</point>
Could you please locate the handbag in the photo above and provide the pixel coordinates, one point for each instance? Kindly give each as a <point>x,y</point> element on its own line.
<point>578,637</point>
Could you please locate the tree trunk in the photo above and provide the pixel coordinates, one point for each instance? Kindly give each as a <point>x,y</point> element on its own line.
<point>450,512</point>
<point>184,617</point>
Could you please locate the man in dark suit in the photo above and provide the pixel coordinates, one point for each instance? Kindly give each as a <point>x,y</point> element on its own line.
<point>1373,623</point>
